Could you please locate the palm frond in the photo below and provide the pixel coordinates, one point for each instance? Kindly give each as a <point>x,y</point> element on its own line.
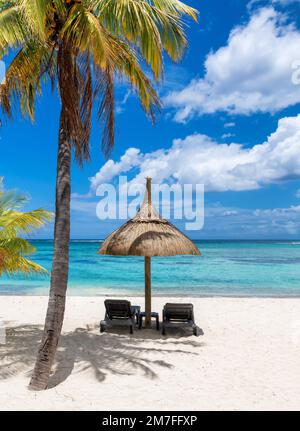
<point>14,264</point>
<point>86,44</point>
<point>138,22</point>
<point>35,15</point>
<point>16,246</point>
<point>151,25</point>
<point>14,223</point>
<point>14,249</point>
<point>105,88</point>
<point>70,82</point>
<point>86,105</point>
<point>126,64</point>
<point>22,79</point>
<point>10,200</point>
<point>176,7</point>
<point>12,29</point>
<point>84,31</point>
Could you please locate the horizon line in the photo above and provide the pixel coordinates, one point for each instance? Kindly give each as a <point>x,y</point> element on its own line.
<point>193,239</point>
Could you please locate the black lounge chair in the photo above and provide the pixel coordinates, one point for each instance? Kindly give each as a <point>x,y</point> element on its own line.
<point>177,315</point>
<point>120,312</point>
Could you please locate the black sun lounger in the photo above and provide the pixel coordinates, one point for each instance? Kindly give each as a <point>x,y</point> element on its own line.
<point>120,312</point>
<point>179,315</point>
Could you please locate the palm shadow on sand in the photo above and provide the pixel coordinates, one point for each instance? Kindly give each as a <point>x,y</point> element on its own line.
<point>113,352</point>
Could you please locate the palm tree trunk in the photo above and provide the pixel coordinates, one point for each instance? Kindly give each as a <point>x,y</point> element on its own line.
<point>60,265</point>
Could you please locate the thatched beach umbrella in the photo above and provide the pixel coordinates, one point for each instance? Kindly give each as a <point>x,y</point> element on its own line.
<point>147,234</point>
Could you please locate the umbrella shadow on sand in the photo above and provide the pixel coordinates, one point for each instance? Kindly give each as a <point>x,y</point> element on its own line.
<point>115,352</point>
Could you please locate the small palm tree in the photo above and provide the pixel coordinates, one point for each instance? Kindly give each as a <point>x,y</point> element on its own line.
<point>13,223</point>
<point>82,45</point>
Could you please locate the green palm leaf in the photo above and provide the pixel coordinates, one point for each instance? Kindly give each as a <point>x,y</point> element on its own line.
<point>14,249</point>
<point>12,28</point>
<point>113,34</point>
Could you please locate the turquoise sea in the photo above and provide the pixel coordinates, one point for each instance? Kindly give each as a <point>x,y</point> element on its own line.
<point>226,268</point>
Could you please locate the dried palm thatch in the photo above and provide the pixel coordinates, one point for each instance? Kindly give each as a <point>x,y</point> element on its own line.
<point>147,234</point>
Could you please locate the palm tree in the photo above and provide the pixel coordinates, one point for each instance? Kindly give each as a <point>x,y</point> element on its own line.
<point>13,223</point>
<point>83,45</point>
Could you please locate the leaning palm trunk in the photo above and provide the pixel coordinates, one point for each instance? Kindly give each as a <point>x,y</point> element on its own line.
<point>60,265</point>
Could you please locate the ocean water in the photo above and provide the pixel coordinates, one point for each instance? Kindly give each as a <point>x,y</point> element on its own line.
<point>226,268</point>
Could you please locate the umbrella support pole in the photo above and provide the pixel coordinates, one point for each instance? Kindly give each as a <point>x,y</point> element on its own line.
<point>148,291</point>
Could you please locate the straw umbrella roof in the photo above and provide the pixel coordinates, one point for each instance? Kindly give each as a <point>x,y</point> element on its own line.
<point>147,234</point>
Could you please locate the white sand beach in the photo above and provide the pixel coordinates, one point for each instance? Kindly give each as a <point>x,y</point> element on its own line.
<point>247,359</point>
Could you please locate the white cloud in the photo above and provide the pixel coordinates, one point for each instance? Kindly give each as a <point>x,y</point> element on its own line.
<point>219,222</point>
<point>252,73</point>
<point>120,106</point>
<point>280,219</point>
<point>227,135</point>
<point>248,223</point>
<point>228,125</point>
<point>285,2</point>
<point>254,3</point>
<point>111,169</point>
<point>198,159</point>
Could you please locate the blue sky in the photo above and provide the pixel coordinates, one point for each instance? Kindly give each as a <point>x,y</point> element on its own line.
<point>230,121</point>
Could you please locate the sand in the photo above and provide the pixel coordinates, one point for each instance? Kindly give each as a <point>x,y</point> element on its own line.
<point>247,359</point>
